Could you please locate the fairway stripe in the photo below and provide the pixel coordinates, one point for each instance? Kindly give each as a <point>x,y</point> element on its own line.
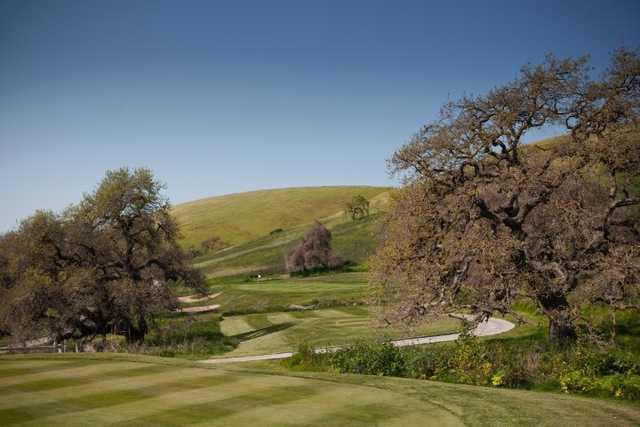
<point>111,398</point>
<point>46,366</point>
<point>153,408</point>
<point>225,407</point>
<point>94,377</point>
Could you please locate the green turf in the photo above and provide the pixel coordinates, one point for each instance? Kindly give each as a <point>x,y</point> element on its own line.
<point>279,294</point>
<point>265,333</point>
<point>239,218</point>
<point>120,390</point>
<point>105,394</point>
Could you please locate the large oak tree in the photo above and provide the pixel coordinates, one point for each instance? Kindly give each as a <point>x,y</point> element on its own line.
<point>485,220</point>
<point>102,266</point>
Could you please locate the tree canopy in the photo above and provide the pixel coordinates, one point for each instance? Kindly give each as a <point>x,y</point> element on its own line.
<point>485,220</point>
<point>313,252</point>
<point>357,207</point>
<point>102,266</point>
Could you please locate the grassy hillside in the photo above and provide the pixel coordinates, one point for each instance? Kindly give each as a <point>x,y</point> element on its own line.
<point>352,240</point>
<point>123,390</point>
<point>242,217</point>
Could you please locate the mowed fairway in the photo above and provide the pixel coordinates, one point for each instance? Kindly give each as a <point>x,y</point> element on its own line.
<point>274,295</point>
<point>265,333</point>
<point>121,390</point>
<point>84,392</point>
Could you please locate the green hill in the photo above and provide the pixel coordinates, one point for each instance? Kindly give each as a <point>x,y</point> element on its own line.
<point>352,240</point>
<point>242,217</point>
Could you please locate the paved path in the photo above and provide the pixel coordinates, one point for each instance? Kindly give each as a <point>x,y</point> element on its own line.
<point>490,327</point>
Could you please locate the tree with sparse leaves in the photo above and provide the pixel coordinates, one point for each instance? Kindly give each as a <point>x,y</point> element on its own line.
<point>484,220</point>
<point>314,252</point>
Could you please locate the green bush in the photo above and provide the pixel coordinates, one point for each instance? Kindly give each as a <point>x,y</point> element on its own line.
<point>370,358</point>
<point>184,336</point>
<point>532,364</point>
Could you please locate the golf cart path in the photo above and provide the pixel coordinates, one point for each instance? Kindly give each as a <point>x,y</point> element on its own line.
<point>490,327</point>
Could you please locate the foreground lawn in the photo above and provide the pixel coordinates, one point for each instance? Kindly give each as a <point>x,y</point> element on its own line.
<point>278,332</point>
<point>123,390</point>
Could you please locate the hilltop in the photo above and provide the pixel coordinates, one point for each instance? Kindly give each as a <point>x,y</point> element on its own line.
<point>241,217</point>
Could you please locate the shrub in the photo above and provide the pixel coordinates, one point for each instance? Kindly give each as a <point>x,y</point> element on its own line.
<point>370,358</point>
<point>580,368</point>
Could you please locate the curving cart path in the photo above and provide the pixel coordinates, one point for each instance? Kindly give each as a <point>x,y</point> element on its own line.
<point>490,327</point>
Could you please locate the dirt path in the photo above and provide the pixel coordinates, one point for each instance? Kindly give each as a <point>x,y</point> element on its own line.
<point>490,327</point>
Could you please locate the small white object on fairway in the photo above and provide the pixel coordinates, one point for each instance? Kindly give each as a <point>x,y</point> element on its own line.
<point>490,327</point>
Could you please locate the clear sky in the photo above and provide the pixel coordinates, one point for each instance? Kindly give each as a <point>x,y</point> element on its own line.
<point>221,97</point>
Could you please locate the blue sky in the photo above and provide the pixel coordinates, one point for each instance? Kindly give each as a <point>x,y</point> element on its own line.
<point>221,97</point>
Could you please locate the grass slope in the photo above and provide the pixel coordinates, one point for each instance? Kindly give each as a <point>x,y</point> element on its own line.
<point>238,218</point>
<point>354,241</point>
<point>120,390</point>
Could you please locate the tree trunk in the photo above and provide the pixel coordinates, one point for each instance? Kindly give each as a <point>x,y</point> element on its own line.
<point>556,308</point>
<point>561,329</point>
<point>137,332</point>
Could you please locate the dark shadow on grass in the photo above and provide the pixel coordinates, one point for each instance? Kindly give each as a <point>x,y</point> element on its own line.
<point>45,367</point>
<point>263,331</point>
<point>47,384</point>
<point>208,411</point>
<point>358,415</point>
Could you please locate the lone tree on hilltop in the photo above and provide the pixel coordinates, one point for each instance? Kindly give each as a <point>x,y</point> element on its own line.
<point>358,207</point>
<point>484,220</point>
<point>314,252</point>
<point>100,267</point>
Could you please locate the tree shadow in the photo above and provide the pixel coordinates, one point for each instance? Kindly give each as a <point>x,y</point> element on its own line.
<point>263,331</point>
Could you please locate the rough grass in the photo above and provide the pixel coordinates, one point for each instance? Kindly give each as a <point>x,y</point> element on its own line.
<point>266,333</point>
<point>239,218</point>
<point>144,391</point>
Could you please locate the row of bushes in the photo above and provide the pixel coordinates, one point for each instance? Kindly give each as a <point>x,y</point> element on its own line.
<point>523,364</point>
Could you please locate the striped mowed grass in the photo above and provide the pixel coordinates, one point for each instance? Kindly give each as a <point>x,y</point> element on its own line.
<point>276,332</point>
<point>83,392</point>
<point>127,390</point>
